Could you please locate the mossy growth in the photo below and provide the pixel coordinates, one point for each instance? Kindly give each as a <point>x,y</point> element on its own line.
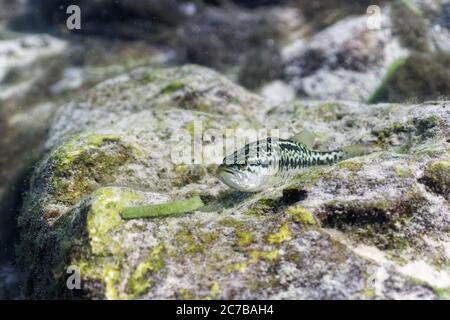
<point>301,215</point>
<point>238,266</point>
<point>148,78</point>
<point>244,237</point>
<point>329,111</point>
<point>101,261</point>
<point>350,165</point>
<point>403,172</point>
<point>195,241</point>
<point>173,86</point>
<point>263,207</point>
<point>423,76</point>
<point>385,134</point>
<point>104,216</point>
<point>270,256</point>
<point>437,176</point>
<point>139,281</point>
<point>382,223</point>
<point>188,174</point>
<point>186,294</point>
<point>84,163</point>
<point>310,176</point>
<point>442,293</point>
<point>408,132</point>
<point>284,233</point>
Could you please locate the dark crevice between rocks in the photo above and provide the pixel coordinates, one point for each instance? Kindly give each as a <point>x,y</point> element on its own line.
<point>12,202</point>
<point>292,196</point>
<point>384,224</point>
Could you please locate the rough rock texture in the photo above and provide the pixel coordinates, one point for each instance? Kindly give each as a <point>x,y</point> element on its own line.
<point>345,61</point>
<point>375,226</point>
<point>352,56</point>
<point>37,74</point>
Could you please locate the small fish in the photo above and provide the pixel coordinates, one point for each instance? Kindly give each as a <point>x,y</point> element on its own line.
<point>261,162</point>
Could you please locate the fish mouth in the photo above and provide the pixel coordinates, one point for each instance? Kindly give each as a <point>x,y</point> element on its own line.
<point>225,169</point>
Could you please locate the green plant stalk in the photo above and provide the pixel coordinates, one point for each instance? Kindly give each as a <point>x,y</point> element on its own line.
<point>162,209</point>
<point>376,95</point>
<point>412,8</point>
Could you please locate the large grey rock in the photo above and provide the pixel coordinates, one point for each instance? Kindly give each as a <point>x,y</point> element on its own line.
<point>375,226</point>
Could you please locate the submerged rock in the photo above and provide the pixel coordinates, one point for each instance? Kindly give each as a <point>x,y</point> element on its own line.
<point>357,229</point>
<point>344,61</point>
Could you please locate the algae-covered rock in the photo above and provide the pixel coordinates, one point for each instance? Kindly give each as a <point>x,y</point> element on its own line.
<point>375,226</point>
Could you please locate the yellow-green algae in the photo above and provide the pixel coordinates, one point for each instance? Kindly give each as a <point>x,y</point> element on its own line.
<point>301,215</point>
<point>238,266</point>
<point>283,234</point>
<point>195,240</point>
<point>262,207</point>
<point>256,255</point>
<point>442,293</point>
<point>310,176</point>
<point>104,215</point>
<point>403,172</point>
<point>189,295</point>
<point>244,237</point>
<point>437,176</point>
<point>163,209</point>
<point>350,165</point>
<point>173,86</point>
<point>102,260</point>
<point>138,282</point>
<point>188,174</point>
<point>84,162</point>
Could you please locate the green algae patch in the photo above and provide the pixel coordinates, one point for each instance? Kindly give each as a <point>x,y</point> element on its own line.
<point>271,256</point>
<point>262,207</point>
<point>194,240</point>
<point>163,209</point>
<point>188,174</point>
<point>350,165</point>
<point>245,238</point>
<point>186,294</point>
<point>301,215</point>
<point>403,172</point>
<point>437,176</point>
<point>442,293</point>
<point>173,86</point>
<point>139,281</point>
<point>283,234</point>
<point>238,266</point>
<point>101,261</point>
<point>148,78</point>
<point>104,217</point>
<point>84,163</point>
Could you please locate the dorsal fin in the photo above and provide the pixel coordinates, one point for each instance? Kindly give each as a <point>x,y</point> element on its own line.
<point>305,137</point>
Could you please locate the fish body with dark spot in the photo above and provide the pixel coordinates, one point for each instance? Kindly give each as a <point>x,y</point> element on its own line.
<point>259,163</point>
